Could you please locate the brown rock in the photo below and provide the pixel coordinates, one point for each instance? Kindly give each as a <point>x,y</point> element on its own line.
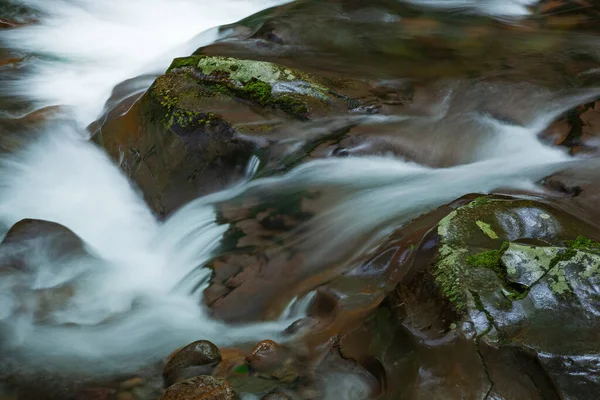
<point>201,388</point>
<point>198,358</point>
<point>266,356</point>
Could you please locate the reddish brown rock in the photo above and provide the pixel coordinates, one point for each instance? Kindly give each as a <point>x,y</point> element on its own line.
<point>266,356</point>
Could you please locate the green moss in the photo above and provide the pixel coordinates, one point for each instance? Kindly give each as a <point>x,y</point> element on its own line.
<point>491,259</point>
<point>480,201</point>
<point>583,243</point>
<point>259,92</point>
<point>262,93</point>
<point>182,62</point>
<point>292,106</point>
<point>448,276</point>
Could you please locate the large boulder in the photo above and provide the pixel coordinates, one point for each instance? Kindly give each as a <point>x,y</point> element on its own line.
<point>519,279</point>
<point>197,128</point>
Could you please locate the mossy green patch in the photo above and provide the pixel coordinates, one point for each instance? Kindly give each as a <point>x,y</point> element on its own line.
<point>182,62</point>
<point>491,259</point>
<point>448,275</point>
<point>262,93</point>
<point>259,92</point>
<point>583,243</point>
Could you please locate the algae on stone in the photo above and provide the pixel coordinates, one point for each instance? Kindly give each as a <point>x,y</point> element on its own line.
<point>264,83</point>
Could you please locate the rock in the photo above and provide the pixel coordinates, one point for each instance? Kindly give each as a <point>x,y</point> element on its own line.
<point>198,358</point>
<point>233,366</point>
<point>265,84</point>
<point>534,290</point>
<point>201,388</point>
<point>577,129</point>
<point>196,128</point>
<point>265,357</point>
<point>29,234</point>
<point>24,245</point>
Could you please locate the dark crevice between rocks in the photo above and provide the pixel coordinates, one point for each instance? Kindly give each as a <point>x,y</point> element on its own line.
<point>479,305</point>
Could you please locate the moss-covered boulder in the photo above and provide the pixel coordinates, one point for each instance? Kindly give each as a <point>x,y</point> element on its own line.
<point>198,126</point>
<point>270,86</point>
<point>523,274</point>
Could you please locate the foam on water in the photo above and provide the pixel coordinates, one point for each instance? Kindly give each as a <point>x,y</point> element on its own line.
<point>131,275</point>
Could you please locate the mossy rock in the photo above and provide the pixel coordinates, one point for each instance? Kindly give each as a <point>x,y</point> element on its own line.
<point>271,86</point>
<point>198,126</point>
<point>524,274</point>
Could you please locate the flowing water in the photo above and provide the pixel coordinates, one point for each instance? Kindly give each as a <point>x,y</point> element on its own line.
<point>131,301</point>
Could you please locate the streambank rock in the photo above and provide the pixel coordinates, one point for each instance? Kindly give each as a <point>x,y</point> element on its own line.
<point>567,14</point>
<point>201,388</point>
<point>198,358</point>
<point>198,126</point>
<point>577,129</point>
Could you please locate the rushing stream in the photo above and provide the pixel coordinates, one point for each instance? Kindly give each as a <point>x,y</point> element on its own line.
<point>135,288</point>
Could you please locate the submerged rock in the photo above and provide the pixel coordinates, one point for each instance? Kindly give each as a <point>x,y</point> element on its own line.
<point>32,248</point>
<point>198,358</point>
<point>201,388</point>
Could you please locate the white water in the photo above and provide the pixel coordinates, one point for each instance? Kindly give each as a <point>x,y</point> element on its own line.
<point>87,47</point>
<point>139,262</point>
<point>501,9</point>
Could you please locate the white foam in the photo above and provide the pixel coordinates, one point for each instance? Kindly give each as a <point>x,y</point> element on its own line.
<point>87,47</point>
<point>501,9</point>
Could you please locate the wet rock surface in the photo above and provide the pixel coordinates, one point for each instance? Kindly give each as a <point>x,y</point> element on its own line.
<point>197,128</point>
<point>198,358</point>
<point>521,283</point>
<point>201,388</point>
